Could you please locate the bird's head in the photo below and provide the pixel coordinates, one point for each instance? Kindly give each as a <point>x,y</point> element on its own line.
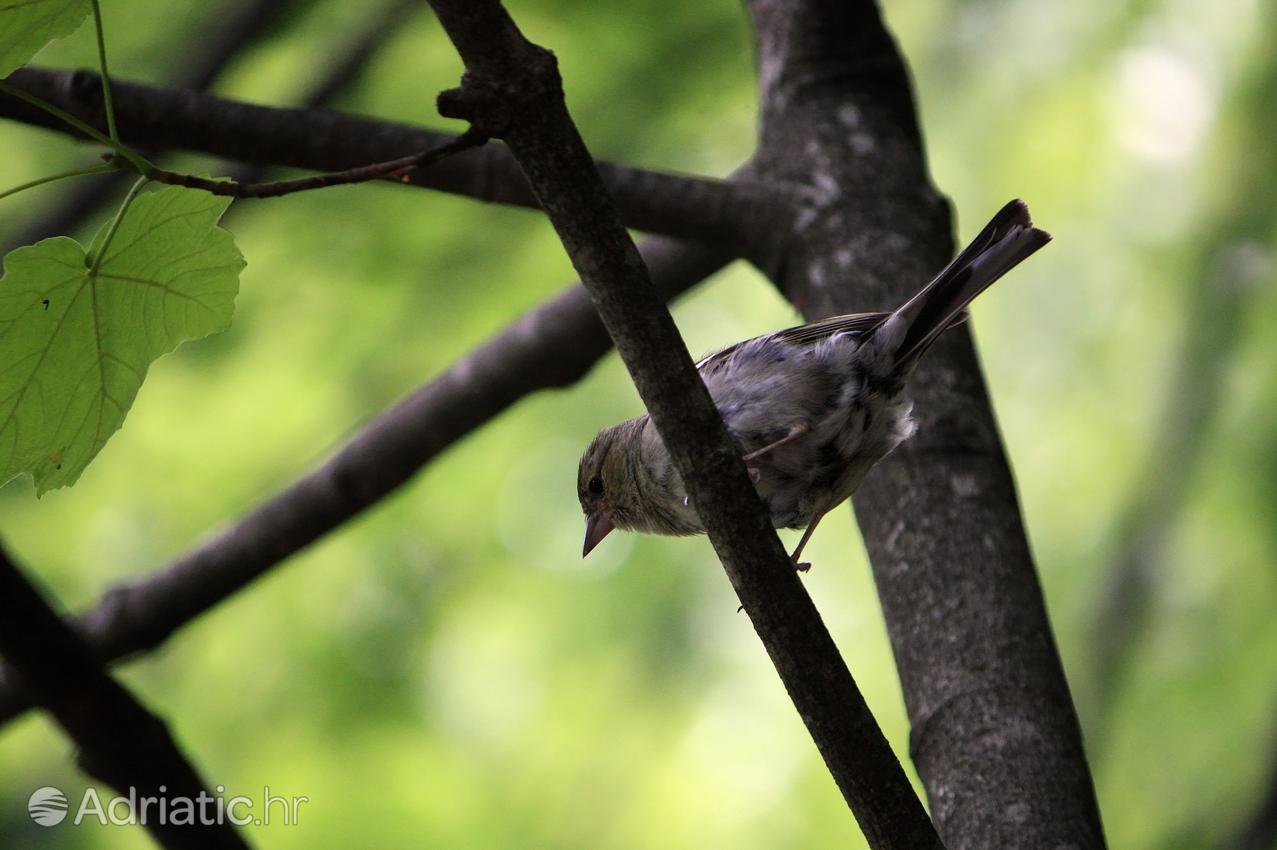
<point>611,484</point>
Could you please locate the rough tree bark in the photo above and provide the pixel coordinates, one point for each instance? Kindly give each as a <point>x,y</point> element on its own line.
<point>995,736</point>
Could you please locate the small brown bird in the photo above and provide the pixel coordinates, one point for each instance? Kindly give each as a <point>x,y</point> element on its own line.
<point>812,408</point>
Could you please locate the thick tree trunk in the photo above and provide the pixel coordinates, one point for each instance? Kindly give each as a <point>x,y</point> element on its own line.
<point>995,736</point>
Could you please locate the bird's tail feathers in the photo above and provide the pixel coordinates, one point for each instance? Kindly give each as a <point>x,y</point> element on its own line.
<point>1006,241</point>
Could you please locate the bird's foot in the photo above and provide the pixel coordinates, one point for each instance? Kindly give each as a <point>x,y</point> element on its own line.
<point>803,567</point>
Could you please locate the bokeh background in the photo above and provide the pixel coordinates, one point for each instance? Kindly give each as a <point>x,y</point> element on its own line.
<point>447,671</point>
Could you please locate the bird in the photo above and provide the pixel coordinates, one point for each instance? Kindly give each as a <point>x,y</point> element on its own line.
<point>811,408</point>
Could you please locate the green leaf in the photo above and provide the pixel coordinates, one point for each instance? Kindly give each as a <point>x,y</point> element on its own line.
<point>74,346</point>
<point>28,25</point>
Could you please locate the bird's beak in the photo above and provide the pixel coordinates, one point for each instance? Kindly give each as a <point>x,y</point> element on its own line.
<point>597,526</point>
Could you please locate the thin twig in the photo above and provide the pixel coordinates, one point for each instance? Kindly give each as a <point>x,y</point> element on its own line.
<point>738,213</point>
<point>120,742</point>
<point>396,169</point>
<point>236,30</point>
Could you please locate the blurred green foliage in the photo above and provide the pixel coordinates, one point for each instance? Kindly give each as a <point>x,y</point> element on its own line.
<point>447,672</point>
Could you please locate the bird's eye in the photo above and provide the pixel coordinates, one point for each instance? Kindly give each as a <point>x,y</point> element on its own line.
<point>595,486</point>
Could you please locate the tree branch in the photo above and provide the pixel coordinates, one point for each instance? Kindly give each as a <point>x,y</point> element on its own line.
<point>553,345</point>
<point>120,742</point>
<point>511,89</point>
<point>400,169</point>
<point>732,213</point>
<point>995,737</point>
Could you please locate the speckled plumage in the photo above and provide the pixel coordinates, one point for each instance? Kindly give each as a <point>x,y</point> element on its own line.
<point>813,408</point>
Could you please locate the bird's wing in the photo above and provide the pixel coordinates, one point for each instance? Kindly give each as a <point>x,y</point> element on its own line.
<point>851,323</point>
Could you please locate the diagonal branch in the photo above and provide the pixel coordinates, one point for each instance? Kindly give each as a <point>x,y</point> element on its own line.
<point>511,89</point>
<point>736,212</point>
<point>120,742</point>
<point>551,346</point>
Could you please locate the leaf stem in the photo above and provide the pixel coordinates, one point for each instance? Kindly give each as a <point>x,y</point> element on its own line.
<point>93,169</point>
<point>115,225</point>
<point>39,103</point>
<point>106,77</point>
